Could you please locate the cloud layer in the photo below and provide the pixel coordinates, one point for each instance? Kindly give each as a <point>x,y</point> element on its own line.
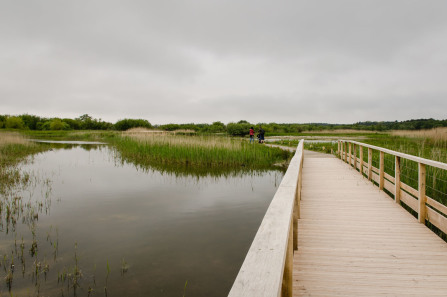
<point>203,61</point>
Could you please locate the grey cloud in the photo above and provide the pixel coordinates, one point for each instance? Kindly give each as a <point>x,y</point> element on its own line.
<point>202,61</point>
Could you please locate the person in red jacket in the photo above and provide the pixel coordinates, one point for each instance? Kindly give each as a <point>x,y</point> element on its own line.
<point>252,135</point>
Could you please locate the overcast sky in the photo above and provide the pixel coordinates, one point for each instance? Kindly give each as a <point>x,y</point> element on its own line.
<point>202,61</point>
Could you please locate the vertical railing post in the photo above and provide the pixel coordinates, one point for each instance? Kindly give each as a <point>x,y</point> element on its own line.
<point>346,152</point>
<point>381,170</point>
<point>397,180</point>
<point>338,150</point>
<point>350,154</point>
<point>287,281</point>
<point>341,150</point>
<point>422,198</point>
<point>355,156</point>
<point>361,159</point>
<point>370,156</point>
<point>296,211</point>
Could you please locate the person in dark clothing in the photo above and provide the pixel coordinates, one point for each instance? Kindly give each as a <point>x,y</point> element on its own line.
<point>261,135</point>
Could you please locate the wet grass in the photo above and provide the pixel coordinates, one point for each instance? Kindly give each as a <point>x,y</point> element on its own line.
<point>14,149</point>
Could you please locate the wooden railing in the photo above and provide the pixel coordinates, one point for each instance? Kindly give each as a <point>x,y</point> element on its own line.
<point>267,268</point>
<point>427,209</point>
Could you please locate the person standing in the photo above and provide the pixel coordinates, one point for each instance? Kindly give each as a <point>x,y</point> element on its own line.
<point>252,135</point>
<point>261,135</point>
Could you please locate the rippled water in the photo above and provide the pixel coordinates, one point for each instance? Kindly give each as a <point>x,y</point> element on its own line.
<point>136,232</point>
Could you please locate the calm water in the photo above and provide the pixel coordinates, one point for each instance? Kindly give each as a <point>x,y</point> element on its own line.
<point>136,232</point>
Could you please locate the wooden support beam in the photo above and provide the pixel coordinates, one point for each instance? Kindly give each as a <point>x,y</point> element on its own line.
<point>381,169</point>
<point>338,149</point>
<point>370,156</point>
<point>361,159</point>
<point>355,156</point>
<point>350,152</point>
<point>397,180</point>
<point>421,191</point>
<point>287,281</point>
<point>346,153</point>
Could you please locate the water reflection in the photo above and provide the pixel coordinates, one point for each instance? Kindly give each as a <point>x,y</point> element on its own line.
<point>164,227</point>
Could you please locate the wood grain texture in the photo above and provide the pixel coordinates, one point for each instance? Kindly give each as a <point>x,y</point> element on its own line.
<point>267,268</point>
<point>353,240</point>
<point>405,156</point>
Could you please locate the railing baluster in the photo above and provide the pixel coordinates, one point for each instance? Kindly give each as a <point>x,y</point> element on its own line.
<point>361,159</point>
<point>350,154</point>
<point>397,180</point>
<point>355,157</point>
<point>370,155</point>
<point>381,170</point>
<point>421,189</point>
<point>346,152</point>
<point>338,148</point>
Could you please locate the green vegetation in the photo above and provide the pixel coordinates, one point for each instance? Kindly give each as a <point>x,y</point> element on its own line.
<point>126,124</point>
<point>197,151</point>
<point>87,122</point>
<point>14,148</point>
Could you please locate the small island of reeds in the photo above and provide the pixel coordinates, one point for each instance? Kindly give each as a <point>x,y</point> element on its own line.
<point>199,151</point>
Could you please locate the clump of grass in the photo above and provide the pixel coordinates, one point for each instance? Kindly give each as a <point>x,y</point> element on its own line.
<point>197,151</point>
<point>14,148</point>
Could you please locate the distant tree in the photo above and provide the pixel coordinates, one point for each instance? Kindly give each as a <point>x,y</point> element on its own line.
<point>14,123</point>
<point>127,124</point>
<point>169,127</point>
<point>30,121</point>
<point>217,127</point>
<point>58,124</point>
<point>2,121</point>
<point>235,129</point>
<point>74,124</point>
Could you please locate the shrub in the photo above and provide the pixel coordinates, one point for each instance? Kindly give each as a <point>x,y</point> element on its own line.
<point>14,123</point>
<point>238,129</point>
<point>127,124</point>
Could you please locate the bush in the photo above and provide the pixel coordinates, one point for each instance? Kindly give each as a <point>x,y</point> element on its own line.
<point>238,129</point>
<point>14,123</point>
<point>127,124</point>
<point>57,124</point>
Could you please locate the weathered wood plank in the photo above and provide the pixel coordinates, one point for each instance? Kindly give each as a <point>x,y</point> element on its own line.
<point>405,156</point>
<point>353,240</point>
<point>267,268</point>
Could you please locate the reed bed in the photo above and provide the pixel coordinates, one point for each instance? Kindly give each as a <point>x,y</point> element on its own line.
<point>14,148</point>
<point>197,151</point>
<point>436,134</point>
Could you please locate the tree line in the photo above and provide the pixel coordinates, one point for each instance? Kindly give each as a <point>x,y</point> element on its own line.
<point>241,128</point>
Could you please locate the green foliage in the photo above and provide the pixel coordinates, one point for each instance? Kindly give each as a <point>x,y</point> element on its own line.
<point>57,124</point>
<point>236,129</point>
<point>30,121</point>
<point>207,152</point>
<point>14,123</point>
<point>217,127</point>
<point>87,122</point>
<point>170,127</point>
<point>127,124</point>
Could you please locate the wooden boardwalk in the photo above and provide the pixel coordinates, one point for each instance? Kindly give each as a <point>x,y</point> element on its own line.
<point>353,240</point>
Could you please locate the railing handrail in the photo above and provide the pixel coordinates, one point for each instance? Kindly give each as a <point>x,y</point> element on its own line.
<point>427,208</point>
<point>399,154</point>
<point>267,268</point>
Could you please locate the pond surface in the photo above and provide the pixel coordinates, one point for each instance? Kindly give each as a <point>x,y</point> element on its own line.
<point>106,228</point>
